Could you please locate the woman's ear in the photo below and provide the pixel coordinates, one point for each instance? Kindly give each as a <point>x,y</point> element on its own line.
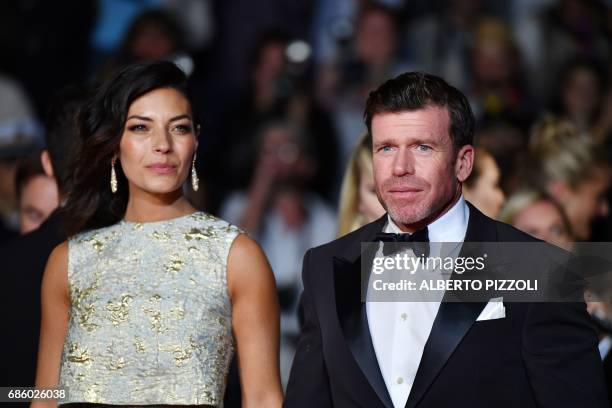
<point>464,162</point>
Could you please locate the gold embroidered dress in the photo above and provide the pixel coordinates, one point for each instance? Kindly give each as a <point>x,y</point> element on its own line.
<point>150,320</point>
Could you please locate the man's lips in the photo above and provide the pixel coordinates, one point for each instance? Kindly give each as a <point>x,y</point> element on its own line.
<point>404,190</point>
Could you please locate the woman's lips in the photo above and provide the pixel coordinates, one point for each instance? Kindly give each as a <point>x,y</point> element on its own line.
<point>162,168</point>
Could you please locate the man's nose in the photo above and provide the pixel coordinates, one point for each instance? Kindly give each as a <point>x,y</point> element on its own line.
<point>403,163</point>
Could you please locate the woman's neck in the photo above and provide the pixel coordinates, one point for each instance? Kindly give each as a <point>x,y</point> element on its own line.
<point>146,207</point>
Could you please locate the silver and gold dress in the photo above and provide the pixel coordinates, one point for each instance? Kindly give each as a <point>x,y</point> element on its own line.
<point>150,320</point>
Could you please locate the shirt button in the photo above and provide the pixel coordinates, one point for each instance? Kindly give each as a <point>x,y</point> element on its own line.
<point>400,380</point>
<point>404,316</point>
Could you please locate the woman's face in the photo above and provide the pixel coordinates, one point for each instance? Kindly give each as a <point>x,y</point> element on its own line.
<point>543,220</point>
<point>486,194</point>
<point>586,202</point>
<point>158,142</point>
<point>369,206</point>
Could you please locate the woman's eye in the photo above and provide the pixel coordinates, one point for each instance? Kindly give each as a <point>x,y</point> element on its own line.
<point>138,128</point>
<point>183,128</point>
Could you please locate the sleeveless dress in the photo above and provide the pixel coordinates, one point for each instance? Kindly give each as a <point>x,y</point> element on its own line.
<point>150,319</point>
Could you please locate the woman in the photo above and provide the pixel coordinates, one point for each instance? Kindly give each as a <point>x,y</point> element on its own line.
<point>538,214</point>
<point>139,307</point>
<point>358,202</point>
<point>482,186</point>
<point>565,163</point>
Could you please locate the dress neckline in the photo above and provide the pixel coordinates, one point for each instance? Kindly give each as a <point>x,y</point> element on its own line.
<point>180,217</point>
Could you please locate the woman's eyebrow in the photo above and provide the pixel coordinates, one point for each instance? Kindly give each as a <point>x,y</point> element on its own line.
<point>179,117</point>
<point>140,117</point>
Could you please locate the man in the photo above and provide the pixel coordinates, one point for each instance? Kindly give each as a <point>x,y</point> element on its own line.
<point>431,354</point>
<point>24,258</point>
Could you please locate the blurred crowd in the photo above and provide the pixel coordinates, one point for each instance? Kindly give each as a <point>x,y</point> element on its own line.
<point>280,88</point>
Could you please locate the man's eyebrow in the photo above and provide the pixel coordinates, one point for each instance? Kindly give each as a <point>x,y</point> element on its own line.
<point>413,140</point>
<point>385,140</point>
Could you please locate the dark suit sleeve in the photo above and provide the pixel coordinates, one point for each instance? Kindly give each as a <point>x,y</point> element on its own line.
<point>308,383</point>
<point>561,356</point>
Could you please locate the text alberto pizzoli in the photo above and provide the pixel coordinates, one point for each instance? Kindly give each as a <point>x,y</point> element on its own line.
<point>446,265</point>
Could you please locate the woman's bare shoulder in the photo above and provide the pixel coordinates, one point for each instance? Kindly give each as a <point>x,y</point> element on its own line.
<point>59,255</point>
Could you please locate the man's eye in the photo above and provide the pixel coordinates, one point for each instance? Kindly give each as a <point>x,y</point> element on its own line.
<point>386,148</point>
<point>424,148</point>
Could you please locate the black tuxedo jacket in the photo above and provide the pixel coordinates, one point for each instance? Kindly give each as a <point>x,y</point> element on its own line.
<point>607,364</point>
<point>23,262</point>
<point>539,355</point>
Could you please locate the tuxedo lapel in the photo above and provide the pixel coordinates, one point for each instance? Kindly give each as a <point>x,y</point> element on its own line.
<point>453,320</point>
<point>348,286</point>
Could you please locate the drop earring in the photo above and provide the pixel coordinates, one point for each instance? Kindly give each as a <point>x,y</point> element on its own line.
<point>194,176</point>
<point>113,179</point>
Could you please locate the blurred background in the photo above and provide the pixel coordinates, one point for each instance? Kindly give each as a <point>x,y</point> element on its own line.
<point>280,87</point>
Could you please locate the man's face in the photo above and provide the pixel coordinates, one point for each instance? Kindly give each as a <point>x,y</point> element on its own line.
<point>417,171</point>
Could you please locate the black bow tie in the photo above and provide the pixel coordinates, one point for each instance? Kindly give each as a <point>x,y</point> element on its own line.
<point>418,242</point>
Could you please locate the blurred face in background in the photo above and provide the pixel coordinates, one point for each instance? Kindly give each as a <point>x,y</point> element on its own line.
<point>586,202</point>
<point>39,198</point>
<point>283,156</point>
<point>369,206</point>
<point>485,193</point>
<point>375,38</point>
<point>158,142</point>
<point>493,57</point>
<point>493,62</point>
<point>270,62</point>
<point>153,42</point>
<point>543,220</point>
<point>581,94</point>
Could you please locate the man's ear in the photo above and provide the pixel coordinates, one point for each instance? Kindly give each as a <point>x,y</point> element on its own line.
<point>45,160</point>
<point>464,162</point>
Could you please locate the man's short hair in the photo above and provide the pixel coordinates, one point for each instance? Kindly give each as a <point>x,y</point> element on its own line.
<point>418,90</point>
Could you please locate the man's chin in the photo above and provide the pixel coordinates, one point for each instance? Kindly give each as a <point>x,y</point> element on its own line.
<point>407,217</point>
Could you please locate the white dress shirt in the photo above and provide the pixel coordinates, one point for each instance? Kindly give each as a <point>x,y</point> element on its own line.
<point>400,330</point>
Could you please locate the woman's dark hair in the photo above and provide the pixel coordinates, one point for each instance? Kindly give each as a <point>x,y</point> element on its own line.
<point>91,204</point>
